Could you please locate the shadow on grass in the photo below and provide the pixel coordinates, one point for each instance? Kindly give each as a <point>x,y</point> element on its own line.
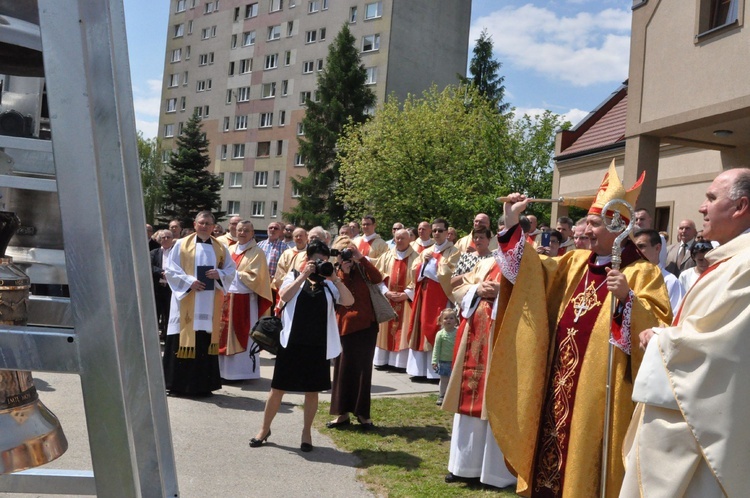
<point>384,458</point>
<point>415,433</point>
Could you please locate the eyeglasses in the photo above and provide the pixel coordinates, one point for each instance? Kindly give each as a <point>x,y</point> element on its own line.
<point>438,230</point>
<point>701,247</point>
<point>273,228</point>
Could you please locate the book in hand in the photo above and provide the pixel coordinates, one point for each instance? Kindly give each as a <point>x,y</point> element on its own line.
<point>203,278</point>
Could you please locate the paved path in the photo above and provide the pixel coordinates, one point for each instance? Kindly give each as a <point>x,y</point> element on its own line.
<point>210,438</point>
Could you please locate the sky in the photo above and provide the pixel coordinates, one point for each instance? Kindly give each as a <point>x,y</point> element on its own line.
<point>566,56</point>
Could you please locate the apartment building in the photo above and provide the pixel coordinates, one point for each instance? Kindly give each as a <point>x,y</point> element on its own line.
<point>247,67</point>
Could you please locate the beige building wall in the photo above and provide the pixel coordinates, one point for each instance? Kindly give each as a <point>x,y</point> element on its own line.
<point>420,42</point>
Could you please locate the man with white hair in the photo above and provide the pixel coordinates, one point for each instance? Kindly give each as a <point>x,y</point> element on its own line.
<point>321,234</point>
<point>691,433</point>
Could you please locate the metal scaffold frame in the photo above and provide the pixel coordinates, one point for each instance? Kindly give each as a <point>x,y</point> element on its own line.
<point>113,345</point>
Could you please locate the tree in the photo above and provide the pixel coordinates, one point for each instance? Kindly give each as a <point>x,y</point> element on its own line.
<point>483,71</point>
<point>439,156</point>
<point>152,170</point>
<point>343,98</point>
<point>189,187</point>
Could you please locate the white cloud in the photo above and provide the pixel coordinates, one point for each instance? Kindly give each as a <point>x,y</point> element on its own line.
<point>586,49</point>
<point>573,115</point>
<point>147,104</point>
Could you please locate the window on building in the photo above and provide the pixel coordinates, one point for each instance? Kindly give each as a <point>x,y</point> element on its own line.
<point>208,8</point>
<point>185,78</point>
<point>187,53</point>
<point>295,192</point>
<point>236,14</point>
<point>198,111</point>
<point>274,32</point>
<point>165,155</point>
<point>322,34</point>
<point>240,122</point>
<point>276,5</point>
<point>251,10</point>
<point>316,96</point>
<point>229,96</point>
<point>268,90</point>
<point>205,33</point>
<point>174,80</point>
<point>372,75</point>
<point>248,38</point>
<point>181,5</point>
<point>276,179</point>
<point>266,120</point>
<point>243,94</point>
<point>308,67</point>
<point>299,160</point>
<point>325,4</point>
<point>205,59</point>
<point>233,44</point>
<point>226,123</point>
<point>179,30</point>
<point>300,129</point>
<point>179,128</point>
<point>290,29</point>
<point>258,208</point>
<point>264,149</point>
<point>373,10</point>
<point>183,103</point>
<point>223,153</point>
<point>261,179</point>
<point>353,14</point>
<point>304,97</point>
<point>723,12</point>
<point>168,130</point>
<point>231,68</point>
<point>313,6</point>
<point>284,88</point>
<point>272,61</point>
<point>238,151</point>
<point>311,36</point>
<point>190,27</point>
<point>246,66</point>
<point>205,111</point>
<point>176,55</point>
<point>279,147</point>
<point>292,4</point>
<point>203,85</point>
<point>288,58</point>
<point>320,64</point>
<point>235,180</point>
<point>370,43</point>
<point>282,118</point>
<point>274,209</point>
<point>233,208</point>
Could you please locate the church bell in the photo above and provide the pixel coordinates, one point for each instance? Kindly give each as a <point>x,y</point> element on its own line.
<point>30,434</point>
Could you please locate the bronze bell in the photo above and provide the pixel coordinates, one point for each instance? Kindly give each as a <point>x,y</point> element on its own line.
<point>30,434</point>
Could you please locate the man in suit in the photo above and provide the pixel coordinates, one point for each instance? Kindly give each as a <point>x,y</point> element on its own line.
<point>678,254</point>
<point>162,292</point>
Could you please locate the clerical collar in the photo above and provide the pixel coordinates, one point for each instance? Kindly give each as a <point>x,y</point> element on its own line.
<point>439,248</point>
<point>369,238</point>
<point>401,254</point>
<point>603,260</point>
<point>198,240</point>
<point>242,247</point>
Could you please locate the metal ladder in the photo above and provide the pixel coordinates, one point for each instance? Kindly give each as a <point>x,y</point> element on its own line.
<point>113,345</point>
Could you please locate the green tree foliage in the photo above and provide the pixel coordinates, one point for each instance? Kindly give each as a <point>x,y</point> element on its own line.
<point>450,153</point>
<point>483,71</point>
<point>152,170</point>
<point>343,98</point>
<point>189,187</point>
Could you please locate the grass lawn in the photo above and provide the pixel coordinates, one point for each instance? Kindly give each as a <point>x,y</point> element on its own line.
<point>406,455</point>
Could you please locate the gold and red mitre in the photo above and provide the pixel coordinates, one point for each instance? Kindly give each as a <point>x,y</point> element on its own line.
<point>612,188</point>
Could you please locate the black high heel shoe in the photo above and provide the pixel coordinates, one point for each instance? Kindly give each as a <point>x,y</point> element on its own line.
<point>256,443</point>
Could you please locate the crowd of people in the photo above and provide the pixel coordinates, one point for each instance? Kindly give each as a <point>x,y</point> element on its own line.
<point>515,325</point>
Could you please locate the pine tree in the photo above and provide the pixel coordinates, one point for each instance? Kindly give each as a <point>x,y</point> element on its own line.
<point>189,186</point>
<point>342,98</point>
<point>484,75</point>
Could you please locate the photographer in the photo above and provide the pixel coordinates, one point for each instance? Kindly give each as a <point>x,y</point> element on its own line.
<point>309,339</point>
<point>352,370</point>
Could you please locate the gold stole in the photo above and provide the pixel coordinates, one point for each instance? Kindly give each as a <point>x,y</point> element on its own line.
<point>187,306</point>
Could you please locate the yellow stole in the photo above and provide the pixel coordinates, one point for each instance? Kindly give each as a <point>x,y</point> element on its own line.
<point>187,306</point>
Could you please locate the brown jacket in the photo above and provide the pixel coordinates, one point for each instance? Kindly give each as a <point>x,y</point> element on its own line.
<point>359,315</point>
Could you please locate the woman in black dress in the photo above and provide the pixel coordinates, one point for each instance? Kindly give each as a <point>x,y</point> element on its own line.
<point>309,340</point>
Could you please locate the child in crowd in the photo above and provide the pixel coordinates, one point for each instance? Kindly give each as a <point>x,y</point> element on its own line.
<point>442,353</point>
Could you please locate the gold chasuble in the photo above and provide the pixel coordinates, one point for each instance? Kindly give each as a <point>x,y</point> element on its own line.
<point>548,371</point>
<point>466,389</point>
<point>252,272</point>
<point>397,276</point>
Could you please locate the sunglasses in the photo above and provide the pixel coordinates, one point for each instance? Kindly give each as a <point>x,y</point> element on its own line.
<point>438,230</point>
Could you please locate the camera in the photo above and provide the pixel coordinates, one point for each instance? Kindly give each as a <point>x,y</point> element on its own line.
<point>344,254</point>
<point>323,268</point>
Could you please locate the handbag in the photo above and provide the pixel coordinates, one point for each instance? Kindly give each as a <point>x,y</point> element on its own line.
<point>267,333</point>
<point>652,385</point>
<point>384,312</point>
